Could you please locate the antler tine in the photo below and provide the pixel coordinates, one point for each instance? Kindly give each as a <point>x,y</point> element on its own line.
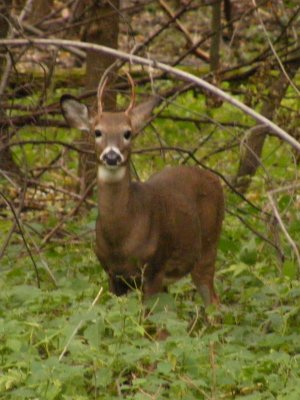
<point>100,92</point>
<point>103,83</point>
<point>132,100</point>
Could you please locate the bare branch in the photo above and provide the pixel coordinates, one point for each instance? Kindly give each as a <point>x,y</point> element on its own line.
<point>200,53</point>
<point>164,67</point>
<point>273,49</point>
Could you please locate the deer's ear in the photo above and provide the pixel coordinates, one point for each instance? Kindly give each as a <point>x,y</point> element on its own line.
<point>75,113</point>
<point>140,114</point>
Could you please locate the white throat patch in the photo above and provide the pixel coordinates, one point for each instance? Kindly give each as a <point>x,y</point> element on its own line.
<point>110,175</point>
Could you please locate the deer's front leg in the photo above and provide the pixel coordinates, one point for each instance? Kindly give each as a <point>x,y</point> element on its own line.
<point>118,286</point>
<point>124,280</point>
<point>153,285</point>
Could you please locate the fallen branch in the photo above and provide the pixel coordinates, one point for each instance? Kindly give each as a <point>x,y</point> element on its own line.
<point>164,67</point>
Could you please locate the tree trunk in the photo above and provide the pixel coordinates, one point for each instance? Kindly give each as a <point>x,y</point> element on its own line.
<point>255,138</point>
<point>216,37</point>
<point>228,18</point>
<point>7,163</point>
<point>105,32</point>
<point>214,56</point>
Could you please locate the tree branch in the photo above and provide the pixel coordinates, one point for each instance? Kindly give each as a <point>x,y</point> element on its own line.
<point>164,67</point>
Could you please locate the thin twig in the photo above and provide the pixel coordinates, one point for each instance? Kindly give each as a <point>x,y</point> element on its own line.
<point>47,142</point>
<point>70,214</point>
<point>195,386</point>
<point>258,234</point>
<point>200,53</point>
<point>41,33</point>
<point>284,230</point>
<point>23,237</point>
<point>9,62</point>
<point>78,326</point>
<point>53,188</point>
<point>273,49</point>
<point>212,359</point>
<point>43,261</point>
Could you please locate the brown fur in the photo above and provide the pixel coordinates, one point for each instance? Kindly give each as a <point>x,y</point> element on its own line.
<point>152,233</point>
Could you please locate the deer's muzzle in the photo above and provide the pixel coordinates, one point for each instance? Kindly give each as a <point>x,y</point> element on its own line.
<point>111,157</point>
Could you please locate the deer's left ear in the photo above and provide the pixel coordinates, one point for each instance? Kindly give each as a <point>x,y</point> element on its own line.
<point>75,113</point>
<point>141,113</point>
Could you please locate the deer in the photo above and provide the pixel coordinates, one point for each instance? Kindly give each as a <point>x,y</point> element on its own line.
<point>148,234</point>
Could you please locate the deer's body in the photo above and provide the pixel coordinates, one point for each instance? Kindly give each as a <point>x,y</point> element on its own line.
<point>164,228</point>
<point>156,232</point>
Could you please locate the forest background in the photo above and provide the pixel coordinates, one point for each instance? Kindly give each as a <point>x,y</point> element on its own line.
<point>62,334</point>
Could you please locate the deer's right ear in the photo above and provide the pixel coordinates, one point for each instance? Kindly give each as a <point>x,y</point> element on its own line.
<point>75,113</point>
<point>141,113</point>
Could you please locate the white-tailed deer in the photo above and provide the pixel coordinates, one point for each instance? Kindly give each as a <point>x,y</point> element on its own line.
<point>150,233</point>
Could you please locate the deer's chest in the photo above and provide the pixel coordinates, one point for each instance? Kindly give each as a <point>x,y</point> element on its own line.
<point>125,245</point>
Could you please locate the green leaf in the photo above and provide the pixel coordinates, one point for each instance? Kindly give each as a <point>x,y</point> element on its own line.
<point>103,377</point>
<point>164,367</point>
<point>237,269</point>
<point>290,269</point>
<point>14,344</point>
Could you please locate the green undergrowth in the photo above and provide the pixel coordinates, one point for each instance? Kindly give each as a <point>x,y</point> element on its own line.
<point>250,349</point>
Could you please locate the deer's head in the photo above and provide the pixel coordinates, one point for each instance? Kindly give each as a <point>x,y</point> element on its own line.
<point>112,131</point>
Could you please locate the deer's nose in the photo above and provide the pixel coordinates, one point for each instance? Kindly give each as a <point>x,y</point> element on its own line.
<point>112,158</point>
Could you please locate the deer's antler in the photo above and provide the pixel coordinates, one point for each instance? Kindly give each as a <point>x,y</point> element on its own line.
<point>100,92</point>
<point>132,100</point>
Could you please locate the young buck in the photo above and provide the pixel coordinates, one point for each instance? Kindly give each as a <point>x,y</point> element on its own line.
<point>153,233</point>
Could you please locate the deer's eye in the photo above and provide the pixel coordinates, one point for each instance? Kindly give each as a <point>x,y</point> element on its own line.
<point>98,133</point>
<point>127,135</point>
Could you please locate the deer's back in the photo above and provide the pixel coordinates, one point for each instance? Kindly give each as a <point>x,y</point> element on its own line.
<point>193,183</point>
<point>197,191</point>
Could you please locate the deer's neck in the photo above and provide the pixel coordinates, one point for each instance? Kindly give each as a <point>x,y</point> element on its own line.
<point>113,192</point>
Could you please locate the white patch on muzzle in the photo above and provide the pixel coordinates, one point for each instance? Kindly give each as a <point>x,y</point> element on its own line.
<point>108,149</point>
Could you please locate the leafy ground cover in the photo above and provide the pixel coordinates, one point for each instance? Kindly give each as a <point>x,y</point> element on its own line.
<point>248,349</point>
<point>253,353</point>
